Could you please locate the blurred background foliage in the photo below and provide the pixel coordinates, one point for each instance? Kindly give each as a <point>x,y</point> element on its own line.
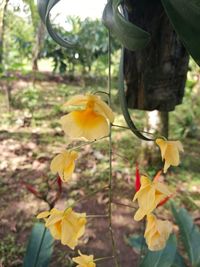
<point>22,30</point>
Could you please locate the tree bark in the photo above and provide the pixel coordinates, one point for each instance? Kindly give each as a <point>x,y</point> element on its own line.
<point>3,7</point>
<point>155,76</point>
<point>39,31</point>
<point>39,39</point>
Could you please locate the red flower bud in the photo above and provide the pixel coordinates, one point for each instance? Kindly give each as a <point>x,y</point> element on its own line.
<point>59,182</point>
<point>137,178</point>
<point>162,202</point>
<point>31,189</point>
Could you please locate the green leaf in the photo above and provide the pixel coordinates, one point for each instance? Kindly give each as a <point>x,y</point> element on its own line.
<point>185,18</point>
<point>190,234</point>
<point>44,9</point>
<point>40,247</point>
<point>178,261</point>
<point>128,34</point>
<point>136,241</point>
<point>161,258</point>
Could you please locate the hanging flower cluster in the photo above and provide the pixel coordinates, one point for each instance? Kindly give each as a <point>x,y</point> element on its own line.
<point>89,120</point>
<point>151,194</point>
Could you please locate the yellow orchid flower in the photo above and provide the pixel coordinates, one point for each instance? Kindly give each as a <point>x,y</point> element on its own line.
<point>157,232</point>
<point>64,165</point>
<point>169,152</point>
<point>91,121</point>
<point>84,260</point>
<point>150,194</point>
<point>67,226</point>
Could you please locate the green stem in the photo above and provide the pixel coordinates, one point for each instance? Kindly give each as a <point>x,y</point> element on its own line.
<point>110,159</point>
<point>104,258</point>
<point>125,205</point>
<point>101,92</point>
<point>40,246</point>
<point>128,128</point>
<point>88,143</point>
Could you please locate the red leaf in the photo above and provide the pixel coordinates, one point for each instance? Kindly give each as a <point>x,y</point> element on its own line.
<point>163,201</point>
<point>59,182</point>
<point>137,178</point>
<point>31,189</point>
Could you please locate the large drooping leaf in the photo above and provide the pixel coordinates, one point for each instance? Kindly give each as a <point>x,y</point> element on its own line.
<point>128,34</point>
<point>178,261</point>
<point>40,247</point>
<point>136,242</point>
<point>189,233</point>
<point>44,9</point>
<point>162,258</point>
<point>185,18</point>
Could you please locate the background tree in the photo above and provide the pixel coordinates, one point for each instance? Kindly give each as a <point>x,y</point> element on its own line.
<point>155,76</point>
<point>3,7</point>
<point>39,33</point>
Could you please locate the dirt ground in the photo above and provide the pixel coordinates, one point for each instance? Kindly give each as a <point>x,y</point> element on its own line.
<point>27,145</point>
<point>19,207</point>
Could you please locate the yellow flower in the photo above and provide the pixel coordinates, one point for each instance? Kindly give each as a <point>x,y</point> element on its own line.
<point>67,226</point>
<point>169,152</point>
<point>64,165</point>
<point>150,194</point>
<point>157,232</point>
<point>90,120</point>
<point>84,260</point>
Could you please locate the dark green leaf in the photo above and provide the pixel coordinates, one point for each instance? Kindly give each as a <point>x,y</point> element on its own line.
<point>161,258</point>
<point>185,18</point>
<point>136,241</point>
<point>40,247</point>
<point>190,234</point>
<point>128,34</point>
<point>178,261</point>
<point>44,8</point>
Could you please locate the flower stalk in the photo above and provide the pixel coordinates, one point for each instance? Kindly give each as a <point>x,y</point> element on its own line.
<point>110,157</point>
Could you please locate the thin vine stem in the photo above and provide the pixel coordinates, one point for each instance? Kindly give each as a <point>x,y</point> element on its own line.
<point>110,158</point>
<point>40,246</point>
<point>127,128</point>
<point>87,143</point>
<point>125,205</point>
<point>104,258</point>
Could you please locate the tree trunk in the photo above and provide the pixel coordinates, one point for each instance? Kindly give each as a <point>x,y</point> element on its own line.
<point>155,76</point>
<point>39,39</point>
<point>3,7</point>
<point>164,123</point>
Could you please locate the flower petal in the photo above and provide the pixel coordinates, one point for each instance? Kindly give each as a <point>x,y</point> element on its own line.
<point>157,233</point>
<point>57,163</point>
<point>163,146</point>
<point>77,100</point>
<point>43,215</point>
<point>86,124</point>
<point>55,216</point>
<point>102,108</point>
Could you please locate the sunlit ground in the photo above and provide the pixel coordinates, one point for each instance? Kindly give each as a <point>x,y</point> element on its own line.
<point>30,135</point>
